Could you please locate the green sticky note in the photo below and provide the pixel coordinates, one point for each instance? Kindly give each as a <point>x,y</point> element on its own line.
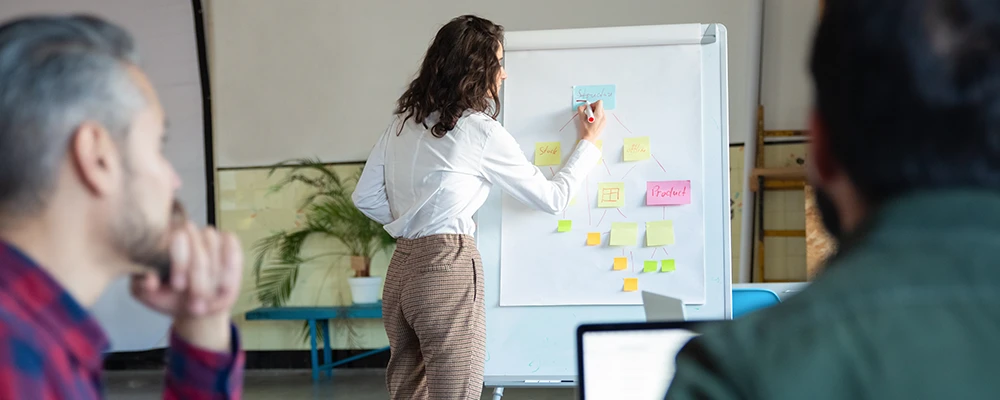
<point>636,149</point>
<point>650,266</point>
<point>565,225</point>
<point>548,153</point>
<point>659,233</point>
<point>624,234</point>
<point>667,266</point>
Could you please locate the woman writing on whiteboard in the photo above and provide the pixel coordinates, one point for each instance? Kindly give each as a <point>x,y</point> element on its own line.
<point>430,171</point>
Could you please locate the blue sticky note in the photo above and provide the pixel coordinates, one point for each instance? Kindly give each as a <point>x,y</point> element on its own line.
<point>594,93</point>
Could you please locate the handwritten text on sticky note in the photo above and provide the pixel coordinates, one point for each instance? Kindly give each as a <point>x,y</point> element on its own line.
<point>631,284</point>
<point>548,153</point>
<point>621,264</point>
<point>668,193</point>
<point>610,194</point>
<point>593,93</point>
<point>636,149</point>
<point>668,266</point>
<point>624,233</point>
<point>593,238</point>
<point>565,225</point>
<point>659,233</point>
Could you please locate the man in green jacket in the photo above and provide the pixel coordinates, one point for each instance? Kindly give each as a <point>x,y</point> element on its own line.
<point>905,160</point>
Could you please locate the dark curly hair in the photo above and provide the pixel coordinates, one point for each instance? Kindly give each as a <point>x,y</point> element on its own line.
<point>459,73</point>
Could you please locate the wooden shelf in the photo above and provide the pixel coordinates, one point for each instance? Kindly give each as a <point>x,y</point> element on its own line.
<point>788,173</point>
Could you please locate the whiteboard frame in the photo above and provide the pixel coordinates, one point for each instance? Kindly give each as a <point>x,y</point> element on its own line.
<point>715,134</point>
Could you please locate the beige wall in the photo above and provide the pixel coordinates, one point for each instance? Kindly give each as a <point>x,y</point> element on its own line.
<point>299,78</point>
<point>785,87</point>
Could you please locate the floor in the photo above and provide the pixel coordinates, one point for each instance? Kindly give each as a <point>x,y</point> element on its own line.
<point>350,384</point>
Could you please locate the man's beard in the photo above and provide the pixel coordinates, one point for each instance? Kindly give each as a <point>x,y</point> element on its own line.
<point>143,244</point>
<point>828,214</point>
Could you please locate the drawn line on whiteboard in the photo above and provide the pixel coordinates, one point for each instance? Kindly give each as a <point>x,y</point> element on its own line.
<point>602,217</point>
<point>620,212</point>
<point>606,166</point>
<point>552,171</point>
<point>658,162</point>
<point>654,252</point>
<point>590,221</point>
<point>633,260</point>
<point>571,120</point>
<point>664,212</point>
<point>629,170</point>
<point>620,122</point>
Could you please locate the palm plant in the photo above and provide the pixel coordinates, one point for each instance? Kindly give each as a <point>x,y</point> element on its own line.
<point>329,214</point>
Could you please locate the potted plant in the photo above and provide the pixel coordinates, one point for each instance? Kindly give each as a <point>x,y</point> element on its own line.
<point>329,214</point>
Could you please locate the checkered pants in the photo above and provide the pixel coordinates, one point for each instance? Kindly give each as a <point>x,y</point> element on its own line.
<point>435,317</point>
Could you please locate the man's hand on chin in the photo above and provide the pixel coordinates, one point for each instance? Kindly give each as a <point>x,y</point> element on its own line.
<point>206,270</point>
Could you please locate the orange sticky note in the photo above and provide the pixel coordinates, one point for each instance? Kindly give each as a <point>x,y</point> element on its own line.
<point>593,238</point>
<point>621,263</point>
<point>631,284</point>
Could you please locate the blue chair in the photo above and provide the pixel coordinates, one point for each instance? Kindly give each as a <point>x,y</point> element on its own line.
<point>747,300</point>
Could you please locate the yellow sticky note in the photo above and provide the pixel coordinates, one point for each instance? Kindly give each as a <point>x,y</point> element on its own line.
<point>548,153</point>
<point>572,201</point>
<point>565,225</point>
<point>621,264</point>
<point>631,284</point>
<point>667,266</point>
<point>650,266</point>
<point>611,194</point>
<point>659,233</point>
<point>636,149</point>
<point>593,238</point>
<point>624,234</point>
<point>600,146</point>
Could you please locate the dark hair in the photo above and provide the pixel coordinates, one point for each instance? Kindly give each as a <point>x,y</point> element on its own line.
<point>459,73</point>
<point>909,93</point>
<point>57,72</point>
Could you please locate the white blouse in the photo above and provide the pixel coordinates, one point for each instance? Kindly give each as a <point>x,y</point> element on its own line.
<point>418,185</point>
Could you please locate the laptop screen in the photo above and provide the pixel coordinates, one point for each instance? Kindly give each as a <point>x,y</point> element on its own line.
<point>629,363</point>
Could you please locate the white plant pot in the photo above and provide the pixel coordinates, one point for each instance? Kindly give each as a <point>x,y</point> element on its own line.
<point>365,290</point>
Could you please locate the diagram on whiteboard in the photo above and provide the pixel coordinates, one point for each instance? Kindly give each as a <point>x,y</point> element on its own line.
<point>637,222</point>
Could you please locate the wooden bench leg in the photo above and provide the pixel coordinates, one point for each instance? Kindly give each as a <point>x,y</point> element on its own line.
<point>327,351</point>
<point>315,359</point>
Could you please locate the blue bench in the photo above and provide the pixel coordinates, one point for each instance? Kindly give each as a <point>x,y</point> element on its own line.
<point>322,317</point>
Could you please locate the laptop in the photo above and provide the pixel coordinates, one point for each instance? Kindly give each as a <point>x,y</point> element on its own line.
<point>630,360</point>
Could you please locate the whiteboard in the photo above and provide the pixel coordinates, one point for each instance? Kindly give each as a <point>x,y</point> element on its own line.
<point>561,268</point>
<point>528,343</point>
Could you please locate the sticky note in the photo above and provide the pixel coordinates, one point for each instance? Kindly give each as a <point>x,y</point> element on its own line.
<point>631,284</point>
<point>650,266</point>
<point>668,193</point>
<point>605,93</point>
<point>565,225</point>
<point>636,149</point>
<point>593,238</point>
<point>572,201</point>
<point>600,146</point>
<point>621,264</point>
<point>548,153</point>
<point>611,194</point>
<point>624,233</point>
<point>667,266</point>
<point>659,233</point>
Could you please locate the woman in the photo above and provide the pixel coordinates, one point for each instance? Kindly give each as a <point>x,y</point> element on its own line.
<point>428,174</point>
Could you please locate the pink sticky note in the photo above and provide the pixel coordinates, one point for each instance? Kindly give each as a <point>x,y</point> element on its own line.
<point>668,193</point>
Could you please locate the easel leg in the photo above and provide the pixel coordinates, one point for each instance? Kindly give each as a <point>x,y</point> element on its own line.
<point>497,393</point>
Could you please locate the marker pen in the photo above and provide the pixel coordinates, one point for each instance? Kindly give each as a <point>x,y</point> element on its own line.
<point>590,113</point>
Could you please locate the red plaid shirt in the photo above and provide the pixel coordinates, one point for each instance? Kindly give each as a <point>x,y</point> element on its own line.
<point>51,348</point>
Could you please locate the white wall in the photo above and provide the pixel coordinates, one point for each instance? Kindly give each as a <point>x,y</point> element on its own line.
<point>298,78</point>
<point>785,86</point>
<point>164,32</point>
